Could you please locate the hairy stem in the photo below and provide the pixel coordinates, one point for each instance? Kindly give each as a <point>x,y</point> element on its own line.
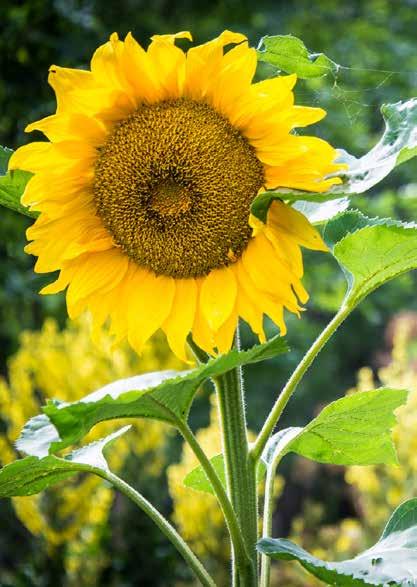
<point>295,379</point>
<point>163,524</point>
<point>239,468</point>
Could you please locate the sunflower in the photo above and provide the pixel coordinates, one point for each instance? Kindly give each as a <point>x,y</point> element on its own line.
<point>145,187</point>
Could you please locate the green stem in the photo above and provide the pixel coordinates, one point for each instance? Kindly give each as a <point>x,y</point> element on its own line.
<point>295,378</point>
<point>267,518</point>
<point>238,544</point>
<point>239,468</point>
<point>162,524</point>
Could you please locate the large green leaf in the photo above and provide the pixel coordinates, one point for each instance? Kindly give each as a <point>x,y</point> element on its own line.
<point>289,54</point>
<point>397,144</point>
<point>165,395</point>
<point>197,479</point>
<point>391,561</point>
<point>33,474</point>
<point>371,251</point>
<point>12,184</point>
<point>353,430</point>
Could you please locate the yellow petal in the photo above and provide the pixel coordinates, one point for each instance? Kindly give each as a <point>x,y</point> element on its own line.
<point>223,338</point>
<point>96,272</point>
<point>201,332</point>
<point>203,63</point>
<point>106,64</point>
<point>233,79</point>
<point>172,37</point>
<point>37,157</point>
<point>287,248</point>
<point>282,217</point>
<point>181,318</point>
<point>66,82</point>
<point>140,71</point>
<point>74,126</point>
<point>265,303</point>
<point>30,156</point>
<point>64,278</point>
<point>218,296</point>
<point>304,116</point>
<point>268,272</point>
<point>246,309</point>
<point>169,61</point>
<point>149,305</point>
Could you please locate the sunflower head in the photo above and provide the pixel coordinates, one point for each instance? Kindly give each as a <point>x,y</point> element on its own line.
<point>145,187</point>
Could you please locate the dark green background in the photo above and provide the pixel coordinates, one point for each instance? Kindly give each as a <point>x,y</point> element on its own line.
<point>375,41</point>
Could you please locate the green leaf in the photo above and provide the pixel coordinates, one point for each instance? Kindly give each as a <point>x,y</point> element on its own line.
<point>371,251</point>
<point>391,561</point>
<point>12,185</point>
<point>353,430</point>
<point>164,395</point>
<point>397,145</point>
<point>33,474</point>
<point>197,479</point>
<point>289,54</point>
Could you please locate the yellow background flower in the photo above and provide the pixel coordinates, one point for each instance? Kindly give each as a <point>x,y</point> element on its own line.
<point>65,364</point>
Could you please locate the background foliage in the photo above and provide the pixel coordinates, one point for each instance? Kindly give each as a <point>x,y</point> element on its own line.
<point>375,44</point>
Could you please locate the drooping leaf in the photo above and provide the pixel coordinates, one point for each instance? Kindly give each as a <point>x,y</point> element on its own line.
<point>197,479</point>
<point>353,430</point>
<point>34,474</point>
<point>12,184</point>
<point>391,561</point>
<point>165,395</point>
<point>397,145</point>
<point>371,251</point>
<point>289,54</point>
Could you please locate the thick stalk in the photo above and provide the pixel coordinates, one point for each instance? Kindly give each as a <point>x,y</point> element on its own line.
<point>165,527</point>
<point>240,470</point>
<point>295,379</point>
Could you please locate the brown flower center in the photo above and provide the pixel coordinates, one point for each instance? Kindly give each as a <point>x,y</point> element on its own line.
<point>173,185</point>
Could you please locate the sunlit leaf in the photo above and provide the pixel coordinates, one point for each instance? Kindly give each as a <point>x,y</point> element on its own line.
<point>289,54</point>
<point>371,251</point>
<point>353,430</point>
<point>12,184</point>
<point>164,395</point>
<point>391,561</point>
<point>33,474</point>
